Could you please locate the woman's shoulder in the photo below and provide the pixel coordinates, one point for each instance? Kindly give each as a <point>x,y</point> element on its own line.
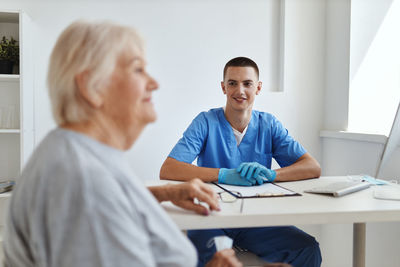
<point>60,162</point>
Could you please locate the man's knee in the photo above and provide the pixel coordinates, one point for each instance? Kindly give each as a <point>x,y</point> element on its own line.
<point>311,255</point>
<point>203,242</point>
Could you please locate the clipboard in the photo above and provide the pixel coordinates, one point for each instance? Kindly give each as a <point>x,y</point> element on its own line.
<point>257,191</point>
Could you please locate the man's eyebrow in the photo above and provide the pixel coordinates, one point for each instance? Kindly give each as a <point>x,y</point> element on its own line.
<point>248,81</point>
<point>230,80</point>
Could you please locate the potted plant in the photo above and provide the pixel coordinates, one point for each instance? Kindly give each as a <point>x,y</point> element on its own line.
<point>9,55</point>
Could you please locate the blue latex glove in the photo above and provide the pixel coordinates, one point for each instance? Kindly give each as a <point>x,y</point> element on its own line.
<point>254,170</point>
<point>231,176</point>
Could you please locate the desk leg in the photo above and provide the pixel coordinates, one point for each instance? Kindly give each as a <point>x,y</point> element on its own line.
<point>359,245</point>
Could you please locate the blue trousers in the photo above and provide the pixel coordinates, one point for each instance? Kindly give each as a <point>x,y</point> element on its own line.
<point>286,244</point>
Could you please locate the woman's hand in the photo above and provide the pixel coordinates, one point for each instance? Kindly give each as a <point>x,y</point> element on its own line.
<point>192,195</point>
<point>277,265</point>
<point>224,258</point>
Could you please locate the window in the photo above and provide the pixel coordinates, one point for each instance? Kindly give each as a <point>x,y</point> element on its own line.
<point>374,92</point>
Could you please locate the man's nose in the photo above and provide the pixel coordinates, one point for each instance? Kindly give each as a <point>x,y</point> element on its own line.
<point>241,88</point>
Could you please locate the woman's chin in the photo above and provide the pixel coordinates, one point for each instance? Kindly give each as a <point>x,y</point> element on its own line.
<point>150,118</point>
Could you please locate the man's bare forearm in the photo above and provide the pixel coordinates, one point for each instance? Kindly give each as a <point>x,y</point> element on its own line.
<point>306,167</point>
<point>173,169</point>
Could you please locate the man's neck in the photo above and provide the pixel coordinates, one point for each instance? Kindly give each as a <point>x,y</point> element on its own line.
<point>238,119</point>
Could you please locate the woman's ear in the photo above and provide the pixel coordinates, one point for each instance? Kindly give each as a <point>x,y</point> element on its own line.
<point>92,97</point>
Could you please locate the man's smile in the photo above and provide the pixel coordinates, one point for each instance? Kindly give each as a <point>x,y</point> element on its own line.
<point>240,98</point>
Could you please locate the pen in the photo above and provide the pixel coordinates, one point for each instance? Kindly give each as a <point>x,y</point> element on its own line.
<point>269,194</point>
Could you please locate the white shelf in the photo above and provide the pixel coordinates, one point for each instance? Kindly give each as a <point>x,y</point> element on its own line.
<point>9,16</point>
<point>10,131</point>
<point>9,77</point>
<point>17,91</point>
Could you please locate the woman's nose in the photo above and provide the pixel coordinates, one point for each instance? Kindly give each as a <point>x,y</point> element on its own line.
<point>153,84</point>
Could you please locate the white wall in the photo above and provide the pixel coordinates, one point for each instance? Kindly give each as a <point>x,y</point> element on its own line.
<point>391,170</point>
<point>374,65</point>
<point>188,44</point>
<point>337,64</point>
<point>367,15</point>
<point>342,156</point>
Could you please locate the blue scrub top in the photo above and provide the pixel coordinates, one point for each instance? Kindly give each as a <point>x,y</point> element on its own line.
<point>210,139</point>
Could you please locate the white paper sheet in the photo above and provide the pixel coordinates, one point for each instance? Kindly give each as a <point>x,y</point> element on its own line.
<point>266,189</point>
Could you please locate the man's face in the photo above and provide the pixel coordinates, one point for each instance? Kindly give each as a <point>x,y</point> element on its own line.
<point>240,86</point>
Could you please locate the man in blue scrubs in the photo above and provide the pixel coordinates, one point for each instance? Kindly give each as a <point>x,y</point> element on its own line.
<point>235,145</point>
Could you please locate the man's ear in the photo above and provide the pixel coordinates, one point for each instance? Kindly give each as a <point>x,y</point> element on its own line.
<point>259,86</point>
<point>223,87</point>
<point>92,97</point>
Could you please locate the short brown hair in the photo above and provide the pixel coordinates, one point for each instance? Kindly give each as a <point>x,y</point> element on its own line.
<point>241,62</point>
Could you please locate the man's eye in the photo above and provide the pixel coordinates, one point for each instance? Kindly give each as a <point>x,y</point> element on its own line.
<point>248,84</point>
<point>232,83</point>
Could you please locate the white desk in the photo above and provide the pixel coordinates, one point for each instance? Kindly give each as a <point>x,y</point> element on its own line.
<point>357,208</point>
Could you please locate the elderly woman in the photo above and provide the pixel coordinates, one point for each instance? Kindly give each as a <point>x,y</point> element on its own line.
<point>77,202</point>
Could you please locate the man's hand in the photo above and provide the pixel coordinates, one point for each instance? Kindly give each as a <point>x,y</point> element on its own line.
<point>231,176</point>
<point>224,258</point>
<point>254,170</point>
<point>185,194</point>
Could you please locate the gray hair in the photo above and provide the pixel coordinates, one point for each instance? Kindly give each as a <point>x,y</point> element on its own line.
<point>85,46</point>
